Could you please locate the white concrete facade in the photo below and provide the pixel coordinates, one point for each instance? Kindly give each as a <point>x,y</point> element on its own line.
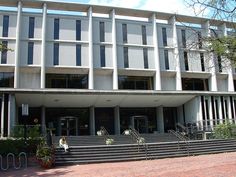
<point>165,63</point>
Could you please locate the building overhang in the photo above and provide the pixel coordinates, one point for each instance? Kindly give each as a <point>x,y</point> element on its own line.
<point>73,6</point>
<point>105,98</point>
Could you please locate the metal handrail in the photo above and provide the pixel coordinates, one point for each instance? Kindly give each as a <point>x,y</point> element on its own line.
<point>14,161</point>
<point>105,133</point>
<point>180,138</point>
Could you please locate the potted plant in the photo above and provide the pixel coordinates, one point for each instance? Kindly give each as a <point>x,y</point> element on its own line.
<point>109,141</point>
<point>45,155</point>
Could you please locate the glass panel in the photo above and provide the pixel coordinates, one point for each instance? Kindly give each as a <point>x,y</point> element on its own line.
<point>56,54</point>
<point>30,52</point>
<point>124,32</point>
<point>186,61</point>
<point>78,55</point>
<point>166,55</point>
<point>102,56</point>
<point>105,117</point>
<point>4,52</point>
<point>183,38</point>
<point>31,27</point>
<point>102,31</point>
<point>144,36</point>
<point>145,57</point>
<point>126,57</point>
<point>5,26</point>
<point>195,84</point>
<point>164,37</point>
<point>56,28</point>
<point>78,30</point>
<point>202,61</point>
<point>135,82</point>
<point>6,79</point>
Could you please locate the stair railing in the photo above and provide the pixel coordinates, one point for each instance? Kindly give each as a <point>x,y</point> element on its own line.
<point>105,134</point>
<point>13,157</point>
<point>140,140</point>
<point>180,137</point>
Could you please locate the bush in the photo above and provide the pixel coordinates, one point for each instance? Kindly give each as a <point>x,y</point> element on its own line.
<point>32,131</point>
<point>225,131</point>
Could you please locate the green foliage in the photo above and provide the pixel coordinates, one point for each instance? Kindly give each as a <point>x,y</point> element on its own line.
<point>225,131</point>
<point>32,132</point>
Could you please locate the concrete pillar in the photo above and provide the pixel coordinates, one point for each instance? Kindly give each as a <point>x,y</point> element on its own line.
<point>200,117</point>
<point>157,78</point>
<point>90,38</point>
<point>210,111</point>
<point>43,120</point>
<point>2,116</point>
<point>220,109</point>
<point>43,46</point>
<point>172,21</point>
<point>230,113</point>
<point>17,46</point>
<point>212,63</point>
<point>117,120</point>
<point>92,120</point>
<point>11,114</point>
<point>223,30</point>
<point>160,119</point>
<point>114,50</point>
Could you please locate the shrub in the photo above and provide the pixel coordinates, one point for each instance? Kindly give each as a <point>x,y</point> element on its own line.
<point>225,131</point>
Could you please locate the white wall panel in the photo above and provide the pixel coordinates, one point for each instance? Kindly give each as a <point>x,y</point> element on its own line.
<point>49,54</point>
<point>222,84</point>
<point>67,54</point>
<point>67,29</point>
<point>192,110</point>
<point>11,54</point>
<point>103,82</point>
<point>134,34</point>
<point>12,26</point>
<point>29,80</point>
<point>136,58</point>
<point>50,29</point>
<point>168,83</point>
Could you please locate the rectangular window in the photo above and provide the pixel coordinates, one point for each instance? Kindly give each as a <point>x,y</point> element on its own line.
<point>126,57</point>
<point>186,61</point>
<point>166,55</point>
<point>5,26</point>
<point>30,53</point>
<point>145,58</point>
<point>102,56</point>
<point>56,54</point>
<point>124,32</point>
<point>195,84</point>
<point>78,55</point>
<point>199,35</point>
<point>78,30</point>
<point>102,31</point>
<point>144,35</point>
<point>183,33</point>
<point>219,63</point>
<point>202,61</point>
<point>56,28</point>
<point>135,82</point>
<point>31,27</point>
<point>164,37</point>
<point>6,79</point>
<point>4,52</point>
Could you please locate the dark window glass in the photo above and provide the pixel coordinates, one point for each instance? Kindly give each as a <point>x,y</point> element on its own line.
<point>67,81</point>
<point>213,110</point>
<point>183,38</point>
<point>195,84</point>
<point>232,107</point>
<point>144,35</point>
<point>102,31</point>
<point>102,56</point>
<point>30,52</point>
<point>31,27</point>
<point>207,112</point>
<point>145,57</point>
<point>78,30</point>
<point>135,83</point>
<point>6,79</point>
<point>164,37</point>
<point>219,63</point>
<point>202,61</point>
<point>222,106</point>
<point>166,55</point>
<point>126,57</point>
<point>56,28</point>
<point>56,54</point>
<point>78,55</point>
<point>4,52</point>
<point>5,26</point>
<point>124,31</point>
<point>199,35</point>
<point>186,61</point>
<point>105,117</point>
<point>203,110</point>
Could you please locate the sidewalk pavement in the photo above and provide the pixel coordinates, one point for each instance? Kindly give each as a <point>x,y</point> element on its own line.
<point>216,165</point>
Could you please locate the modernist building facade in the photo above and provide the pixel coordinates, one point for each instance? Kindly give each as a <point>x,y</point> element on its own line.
<point>79,70</point>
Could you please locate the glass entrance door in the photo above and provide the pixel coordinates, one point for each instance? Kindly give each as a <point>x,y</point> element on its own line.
<point>140,123</point>
<point>68,126</point>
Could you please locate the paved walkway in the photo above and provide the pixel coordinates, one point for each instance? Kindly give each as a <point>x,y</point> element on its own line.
<point>218,165</point>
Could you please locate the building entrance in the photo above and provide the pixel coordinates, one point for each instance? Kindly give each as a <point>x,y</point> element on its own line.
<point>140,123</point>
<point>68,126</point>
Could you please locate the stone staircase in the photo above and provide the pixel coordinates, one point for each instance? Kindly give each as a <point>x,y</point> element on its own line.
<point>97,152</point>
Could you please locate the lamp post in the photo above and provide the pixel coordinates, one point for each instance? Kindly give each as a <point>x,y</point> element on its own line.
<point>25,113</point>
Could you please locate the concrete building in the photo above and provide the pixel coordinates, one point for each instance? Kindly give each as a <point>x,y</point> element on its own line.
<point>80,70</point>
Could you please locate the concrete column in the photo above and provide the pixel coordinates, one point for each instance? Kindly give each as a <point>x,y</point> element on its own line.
<point>43,46</point>
<point>220,109</point>
<point>90,38</point>
<point>172,21</point>
<point>160,119</point>
<point>17,46</point>
<point>117,120</point>
<point>212,63</point>
<point>2,116</point>
<point>210,111</point>
<point>200,117</point>
<point>11,114</point>
<point>92,120</point>
<point>157,85</point>
<point>114,50</point>
<point>223,28</point>
<point>230,113</point>
<point>43,120</point>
